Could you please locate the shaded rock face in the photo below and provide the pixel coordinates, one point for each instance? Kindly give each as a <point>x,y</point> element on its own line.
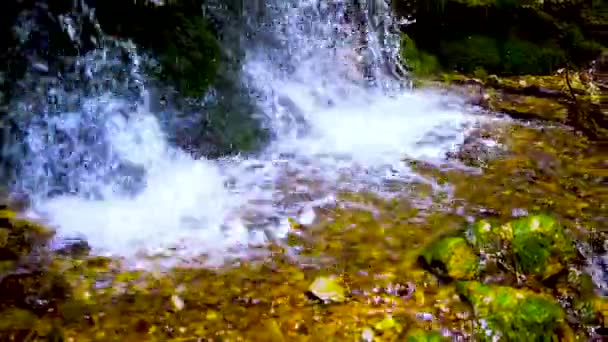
<point>39,42</point>
<point>49,66</point>
<point>38,36</point>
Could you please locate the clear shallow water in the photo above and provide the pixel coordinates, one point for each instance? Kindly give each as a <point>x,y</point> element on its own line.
<point>333,131</point>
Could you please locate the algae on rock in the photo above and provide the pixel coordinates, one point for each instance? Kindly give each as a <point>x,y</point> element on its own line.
<point>419,335</point>
<point>452,257</point>
<point>536,245</point>
<point>19,237</point>
<point>512,314</point>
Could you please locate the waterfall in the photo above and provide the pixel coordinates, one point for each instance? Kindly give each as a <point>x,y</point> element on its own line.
<point>100,164</point>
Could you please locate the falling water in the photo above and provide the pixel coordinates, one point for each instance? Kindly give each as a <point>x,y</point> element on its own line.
<point>102,167</point>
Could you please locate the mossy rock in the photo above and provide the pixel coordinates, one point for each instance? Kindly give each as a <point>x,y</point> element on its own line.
<point>19,237</point>
<point>537,245</point>
<point>452,257</point>
<point>419,335</point>
<point>540,245</point>
<point>183,40</point>
<point>527,107</point>
<point>190,58</point>
<point>17,324</point>
<point>512,314</point>
<point>592,310</point>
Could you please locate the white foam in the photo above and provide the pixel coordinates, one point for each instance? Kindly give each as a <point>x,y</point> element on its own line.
<point>360,138</point>
<point>383,130</point>
<point>184,201</point>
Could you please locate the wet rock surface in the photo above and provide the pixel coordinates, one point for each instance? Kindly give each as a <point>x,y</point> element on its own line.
<point>565,99</point>
<point>513,251</point>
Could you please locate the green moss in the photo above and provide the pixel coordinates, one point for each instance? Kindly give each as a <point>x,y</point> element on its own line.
<point>177,33</point>
<point>454,257</point>
<point>527,107</point>
<point>419,335</point>
<point>540,245</point>
<point>189,57</point>
<point>536,245</point>
<point>486,235</point>
<point>515,315</point>
<point>18,237</point>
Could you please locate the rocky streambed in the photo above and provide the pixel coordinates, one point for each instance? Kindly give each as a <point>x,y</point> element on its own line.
<point>511,249</point>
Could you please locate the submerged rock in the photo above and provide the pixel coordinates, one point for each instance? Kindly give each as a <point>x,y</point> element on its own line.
<point>512,314</point>
<point>328,289</point>
<point>452,257</point>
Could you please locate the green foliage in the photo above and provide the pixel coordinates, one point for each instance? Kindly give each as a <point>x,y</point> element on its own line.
<point>520,57</point>
<point>506,37</point>
<point>421,63</point>
<point>470,53</point>
<point>579,48</point>
<point>482,54</point>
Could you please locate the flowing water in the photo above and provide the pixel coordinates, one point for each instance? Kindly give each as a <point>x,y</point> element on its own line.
<point>341,121</point>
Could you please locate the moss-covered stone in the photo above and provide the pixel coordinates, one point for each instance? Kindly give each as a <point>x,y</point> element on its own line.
<point>19,237</point>
<point>540,245</point>
<point>177,33</point>
<point>512,314</point>
<point>527,107</point>
<point>17,324</point>
<point>488,236</point>
<point>190,56</point>
<point>452,257</point>
<point>536,245</point>
<point>419,335</point>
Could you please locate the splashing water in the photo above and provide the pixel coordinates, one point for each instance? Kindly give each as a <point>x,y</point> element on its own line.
<point>129,191</point>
